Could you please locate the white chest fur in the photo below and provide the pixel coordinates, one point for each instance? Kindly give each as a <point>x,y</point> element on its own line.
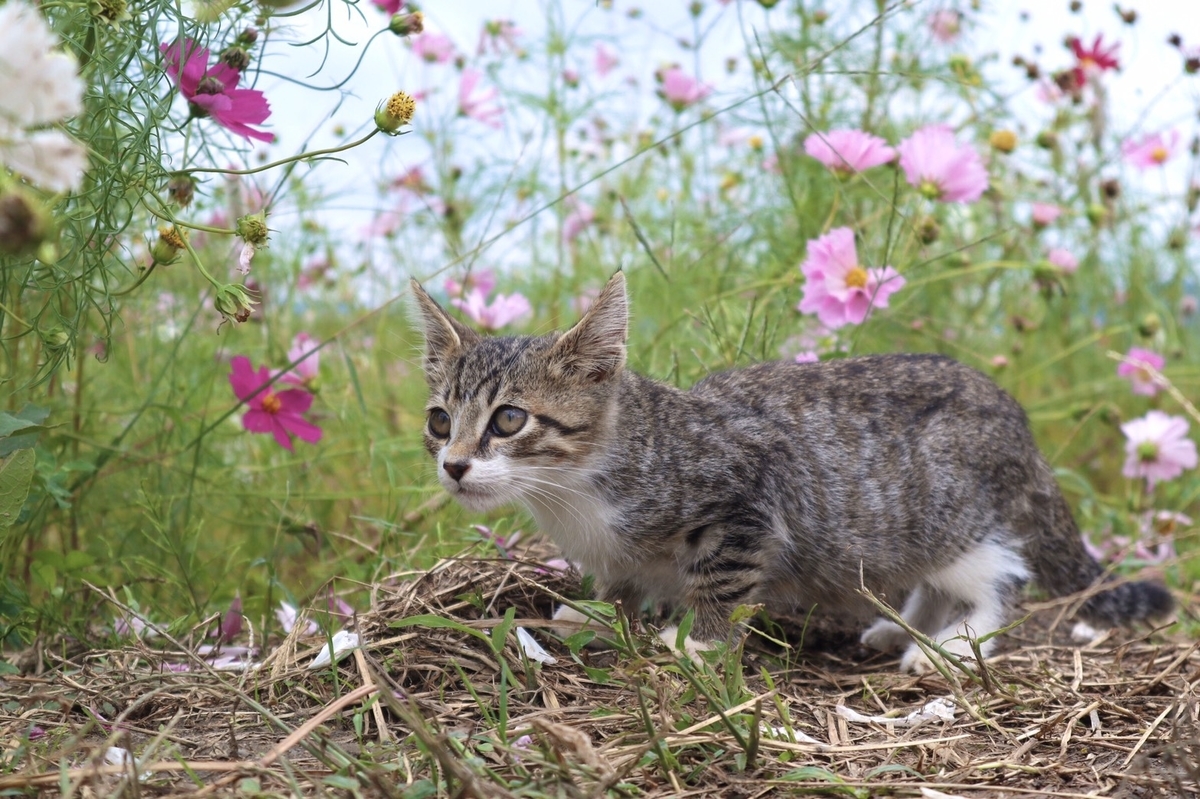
<point>580,521</point>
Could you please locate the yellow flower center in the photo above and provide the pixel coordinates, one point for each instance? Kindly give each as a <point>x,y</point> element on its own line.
<point>1159,154</point>
<point>173,236</point>
<point>401,107</point>
<point>271,403</point>
<point>856,278</point>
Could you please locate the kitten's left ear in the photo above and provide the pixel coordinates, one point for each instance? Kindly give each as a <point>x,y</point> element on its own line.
<point>445,337</point>
<point>595,347</point>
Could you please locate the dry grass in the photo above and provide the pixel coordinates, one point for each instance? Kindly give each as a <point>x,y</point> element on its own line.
<point>447,704</point>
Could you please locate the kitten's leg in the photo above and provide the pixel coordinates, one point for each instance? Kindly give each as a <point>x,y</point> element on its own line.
<point>986,579</point>
<point>719,568</point>
<point>925,609</point>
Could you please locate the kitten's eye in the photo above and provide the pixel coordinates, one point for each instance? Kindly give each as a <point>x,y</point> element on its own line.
<point>439,423</point>
<point>508,420</point>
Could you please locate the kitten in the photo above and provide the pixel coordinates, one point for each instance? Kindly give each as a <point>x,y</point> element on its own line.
<point>779,483</point>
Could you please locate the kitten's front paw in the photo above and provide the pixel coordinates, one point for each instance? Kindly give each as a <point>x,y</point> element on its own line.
<point>691,647</point>
<point>915,661</point>
<point>574,621</point>
<point>885,636</point>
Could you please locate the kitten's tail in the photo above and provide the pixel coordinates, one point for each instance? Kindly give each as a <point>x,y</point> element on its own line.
<point>1063,566</point>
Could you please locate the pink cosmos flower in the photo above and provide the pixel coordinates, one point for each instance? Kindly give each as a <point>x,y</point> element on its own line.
<point>808,356</point>
<point>482,279</point>
<point>945,24</point>
<point>480,106</point>
<point>212,91</point>
<point>1151,151</point>
<point>836,288</point>
<point>681,90</point>
<point>941,168</point>
<point>288,615</point>
<point>605,61</point>
<point>389,7</point>
<point>848,151</point>
<point>1157,447</point>
<point>499,36</point>
<point>1044,214</point>
<point>1136,368</point>
<point>270,412</point>
<point>433,48</point>
<point>1063,259</point>
<point>582,215</point>
<point>304,372</point>
<point>501,312</point>
<point>244,258</point>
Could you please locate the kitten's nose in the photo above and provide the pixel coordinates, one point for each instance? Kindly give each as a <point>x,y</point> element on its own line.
<point>456,469</point>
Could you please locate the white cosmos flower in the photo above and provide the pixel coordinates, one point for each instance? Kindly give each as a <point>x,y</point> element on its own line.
<point>39,86</point>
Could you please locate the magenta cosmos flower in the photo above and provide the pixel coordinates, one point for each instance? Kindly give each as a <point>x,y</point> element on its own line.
<point>1137,369</point>
<point>389,7</point>
<point>480,106</point>
<point>501,312</point>
<point>1150,151</point>
<point>848,151</point>
<point>680,89</point>
<point>942,168</point>
<point>836,288</point>
<point>1157,447</point>
<point>212,91</point>
<point>1094,60</point>
<point>278,413</point>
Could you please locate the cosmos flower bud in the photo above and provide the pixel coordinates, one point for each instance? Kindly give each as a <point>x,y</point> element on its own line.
<point>55,339</point>
<point>170,241</point>
<point>181,188</point>
<point>253,229</point>
<point>407,24</point>
<point>236,58</point>
<point>109,12</point>
<point>1004,141</point>
<point>396,113</point>
<point>1149,326</point>
<point>234,303</point>
<point>24,223</point>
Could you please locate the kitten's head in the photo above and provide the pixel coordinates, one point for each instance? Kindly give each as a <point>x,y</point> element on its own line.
<point>510,417</point>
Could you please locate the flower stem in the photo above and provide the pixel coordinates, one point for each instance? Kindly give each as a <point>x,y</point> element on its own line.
<point>289,160</point>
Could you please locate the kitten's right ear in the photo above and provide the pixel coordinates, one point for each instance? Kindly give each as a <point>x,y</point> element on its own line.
<point>595,346</point>
<point>445,337</point>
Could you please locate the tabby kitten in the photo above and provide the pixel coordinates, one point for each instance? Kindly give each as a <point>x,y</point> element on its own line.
<point>779,483</point>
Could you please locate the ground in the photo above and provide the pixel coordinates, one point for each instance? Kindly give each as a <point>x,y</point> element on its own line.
<point>442,700</point>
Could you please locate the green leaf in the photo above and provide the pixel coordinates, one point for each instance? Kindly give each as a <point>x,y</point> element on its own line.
<point>27,422</point>
<point>500,631</point>
<point>16,474</point>
<point>439,622</point>
<point>685,629</point>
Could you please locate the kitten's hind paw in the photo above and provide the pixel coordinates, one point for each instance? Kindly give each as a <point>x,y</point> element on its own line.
<point>915,661</point>
<point>885,636</point>
<point>691,647</point>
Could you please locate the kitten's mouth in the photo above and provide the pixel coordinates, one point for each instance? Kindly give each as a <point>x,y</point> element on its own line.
<point>477,499</point>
